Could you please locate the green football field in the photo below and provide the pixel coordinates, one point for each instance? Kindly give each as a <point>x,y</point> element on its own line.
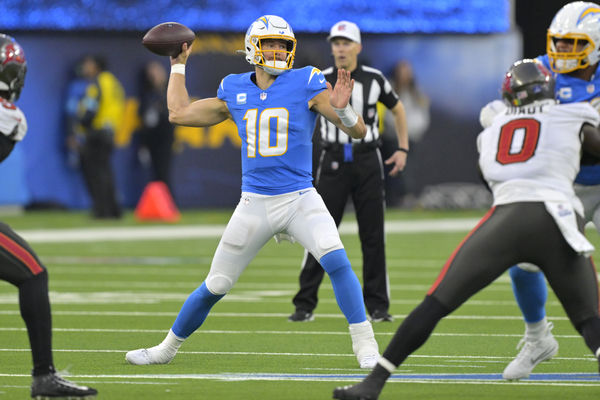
<point>117,286</point>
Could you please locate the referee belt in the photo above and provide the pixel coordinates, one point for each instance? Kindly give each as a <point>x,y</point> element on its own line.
<point>359,147</point>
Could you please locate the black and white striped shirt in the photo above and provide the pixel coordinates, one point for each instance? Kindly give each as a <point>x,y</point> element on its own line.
<point>370,86</point>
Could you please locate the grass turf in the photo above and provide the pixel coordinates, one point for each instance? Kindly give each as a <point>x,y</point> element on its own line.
<point>111,297</point>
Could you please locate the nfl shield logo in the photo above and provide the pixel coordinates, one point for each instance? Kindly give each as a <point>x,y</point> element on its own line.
<point>590,88</point>
<point>263,96</point>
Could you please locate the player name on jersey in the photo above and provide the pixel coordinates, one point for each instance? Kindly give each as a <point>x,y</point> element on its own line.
<point>526,110</point>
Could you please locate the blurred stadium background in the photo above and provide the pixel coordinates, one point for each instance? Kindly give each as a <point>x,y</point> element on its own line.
<point>459,50</point>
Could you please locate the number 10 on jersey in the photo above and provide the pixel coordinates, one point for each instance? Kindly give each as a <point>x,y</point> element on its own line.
<point>262,138</point>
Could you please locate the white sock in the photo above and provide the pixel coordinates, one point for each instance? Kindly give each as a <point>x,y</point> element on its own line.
<point>361,329</point>
<point>362,334</point>
<point>536,330</point>
<point>171,343</point>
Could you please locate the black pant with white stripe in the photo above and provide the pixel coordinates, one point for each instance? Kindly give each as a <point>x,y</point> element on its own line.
<point>508,234</point>
<point>362,180</point>
<point>20,266</point>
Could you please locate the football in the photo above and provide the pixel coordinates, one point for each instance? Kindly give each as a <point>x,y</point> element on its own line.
<point>167,38</point>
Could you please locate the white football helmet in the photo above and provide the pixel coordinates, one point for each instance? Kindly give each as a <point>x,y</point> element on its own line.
<point>270,27</point>
<point>578,21</point>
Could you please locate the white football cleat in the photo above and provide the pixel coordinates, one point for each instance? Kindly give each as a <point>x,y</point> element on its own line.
<point>532,353</point>
<point>364,344</point>
<point>154,355</point>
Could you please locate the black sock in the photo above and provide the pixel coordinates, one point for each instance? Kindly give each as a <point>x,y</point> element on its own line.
<point>35,310</point>
<point>590,330</point>
<point>378,376</point>
<point>415,330</point>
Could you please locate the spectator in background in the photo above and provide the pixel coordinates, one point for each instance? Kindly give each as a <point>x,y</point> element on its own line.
<point>156,134</point>
<point>92,126</point>
<point>403,191</point>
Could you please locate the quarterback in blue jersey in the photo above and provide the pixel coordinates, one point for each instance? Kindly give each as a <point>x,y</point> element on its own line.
<point>274,108</point>
<point>573,53</point>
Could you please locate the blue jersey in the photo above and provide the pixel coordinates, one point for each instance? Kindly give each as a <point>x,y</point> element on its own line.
<point>276,128</point>
<point>569,89</point>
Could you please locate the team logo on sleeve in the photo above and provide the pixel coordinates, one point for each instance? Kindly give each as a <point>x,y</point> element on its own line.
<point>313,72</point>
<point>241,98</point>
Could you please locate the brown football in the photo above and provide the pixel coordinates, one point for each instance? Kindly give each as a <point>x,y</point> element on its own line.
<point>167,38</point>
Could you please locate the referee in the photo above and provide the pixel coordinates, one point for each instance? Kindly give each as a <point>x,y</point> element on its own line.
<point>354,168</point>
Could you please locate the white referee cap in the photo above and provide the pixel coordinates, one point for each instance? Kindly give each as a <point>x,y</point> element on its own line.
<point>345,29</point>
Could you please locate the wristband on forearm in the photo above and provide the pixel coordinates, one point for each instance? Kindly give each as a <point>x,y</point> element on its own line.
<point>347,115</point>
<point>402,149</point>
<point>178,69</point>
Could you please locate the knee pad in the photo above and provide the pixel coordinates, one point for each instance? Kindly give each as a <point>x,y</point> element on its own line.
<point>219,284</point>
<point>528,267</point>
<point>327,240</point>
<point>328,243</point>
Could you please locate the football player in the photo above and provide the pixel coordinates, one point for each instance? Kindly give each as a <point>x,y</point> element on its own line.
<point>274,108</point>
<point>529,156</point>
<point>573,52</point>
<point>19,265</point>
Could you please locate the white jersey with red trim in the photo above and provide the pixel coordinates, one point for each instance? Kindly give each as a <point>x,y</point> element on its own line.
<point>12,121</point>
<point>532,153</point>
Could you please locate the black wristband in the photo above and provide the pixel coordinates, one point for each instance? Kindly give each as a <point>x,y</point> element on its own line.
<point>402,149</point>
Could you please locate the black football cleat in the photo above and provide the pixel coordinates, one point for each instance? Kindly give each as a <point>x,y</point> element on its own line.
<point>53,386</point>
<point>301,316</point>
<point>360,391</point>
<point>381,316</point>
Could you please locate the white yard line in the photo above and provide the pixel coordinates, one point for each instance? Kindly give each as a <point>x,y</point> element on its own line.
<point>476,358</point>
<point>262,332</point>
<point>214,231</point>
<point>129,314</point>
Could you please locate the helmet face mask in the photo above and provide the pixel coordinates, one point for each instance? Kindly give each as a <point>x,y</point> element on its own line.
<point>270,27</point>
<point>578,23</point>
<point>527,81</point>
<point>13,68</point>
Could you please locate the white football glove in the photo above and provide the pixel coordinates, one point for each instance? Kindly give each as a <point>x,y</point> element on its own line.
<point>489,112</point>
